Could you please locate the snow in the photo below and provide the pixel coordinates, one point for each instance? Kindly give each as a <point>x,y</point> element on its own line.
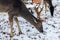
<point>51,26</point>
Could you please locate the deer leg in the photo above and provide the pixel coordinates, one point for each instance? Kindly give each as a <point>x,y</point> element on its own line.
<point>18,25</point>
<point>11,25</point>
<point>44,3</point>
<point>51,7</point>
<point>38,14</point>
<point>45,7</point>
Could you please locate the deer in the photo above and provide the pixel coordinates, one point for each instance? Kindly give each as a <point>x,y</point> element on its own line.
<point>17,8</point>
<point>45,2</point>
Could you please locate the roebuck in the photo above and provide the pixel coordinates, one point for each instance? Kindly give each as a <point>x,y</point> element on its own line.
<point>17,8</point>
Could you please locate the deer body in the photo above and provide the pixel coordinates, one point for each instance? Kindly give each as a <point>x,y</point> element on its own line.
<point>17,8</point>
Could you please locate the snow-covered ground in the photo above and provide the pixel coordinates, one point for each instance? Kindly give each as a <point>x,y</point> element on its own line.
<point>51,26</point>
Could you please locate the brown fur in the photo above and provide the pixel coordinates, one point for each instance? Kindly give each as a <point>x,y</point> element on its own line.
<point>17,8</point>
